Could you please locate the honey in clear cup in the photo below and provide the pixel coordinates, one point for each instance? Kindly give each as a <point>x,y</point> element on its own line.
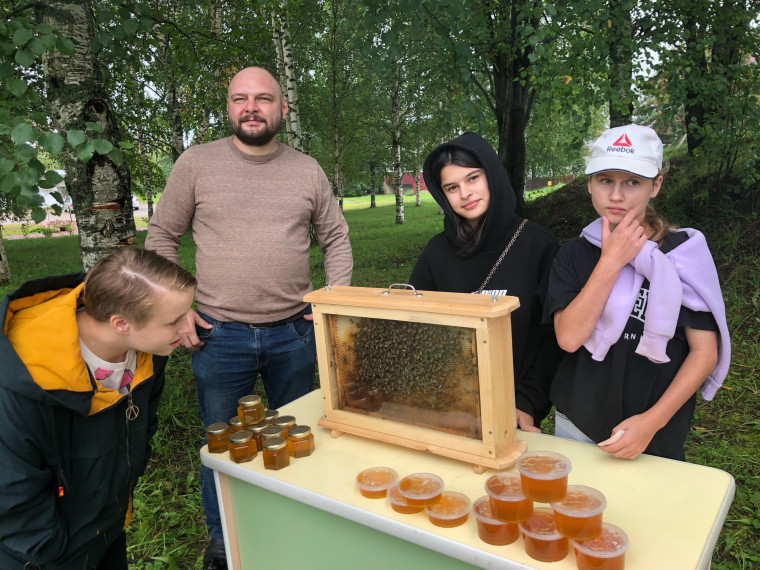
<point>399,503</point>
<point>421,489</point>
<point>373,483</point>
<point>543,475</point>
<point>605,552</point>
<point>541,538</point>
<point>450,510</point>
<point>579,514</point>
<point>490,529</point>
<point>508,502</point>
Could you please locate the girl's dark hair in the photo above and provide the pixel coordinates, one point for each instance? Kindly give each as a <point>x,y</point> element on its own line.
<point>468,236</point>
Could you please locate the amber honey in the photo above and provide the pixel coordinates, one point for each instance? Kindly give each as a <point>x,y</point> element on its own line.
<point>270,416</point>
<point>579,514</point>
<point>541,539</point>
<point>374,482</point>
<point>421,489</point>
<point>242,447</point>
<point>450,510</point>
<point>490,529</point>
<point>217,437</point>
<point>543,475</point>
<point>300,441</point>
<point>508,503</point>
<point>399,503</point>
<point>250,409</point>
<point>275,453</point>
<point>256,430</point>
<point>605,552</point>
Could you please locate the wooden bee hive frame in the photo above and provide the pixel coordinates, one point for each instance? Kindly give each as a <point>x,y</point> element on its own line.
<point>489,317</point>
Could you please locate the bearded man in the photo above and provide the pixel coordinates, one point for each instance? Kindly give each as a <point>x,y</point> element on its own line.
<point>250,201</point>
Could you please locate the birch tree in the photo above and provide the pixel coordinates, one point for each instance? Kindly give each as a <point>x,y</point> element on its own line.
<point>284,50</point>
<point>80,107</point>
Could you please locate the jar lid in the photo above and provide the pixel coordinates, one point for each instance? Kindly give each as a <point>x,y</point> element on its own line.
<point>274,443</point>
<point>271,431</point>
<point>235,421</point>
<point>544,465</point>
<point>271,414</point>
<point>250,400</point>
<point>581,501</point>
<point>241,436</point>
<point>217,428</point>
<point>284,420</point>
<point>298,432</point>
<point>540,525</point>
<point>259,427</point>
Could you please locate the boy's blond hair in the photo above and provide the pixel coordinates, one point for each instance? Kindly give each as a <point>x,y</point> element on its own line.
<point>124,283</point>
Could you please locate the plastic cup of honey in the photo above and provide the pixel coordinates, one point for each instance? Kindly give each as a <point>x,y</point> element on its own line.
<point>421,489</point>
<point>373,483</point>
<point>541,538</point>
<point>399,503</point>
<point>579,514</point>
<point>605,552</point>
<point>508,502</point>
<point>490,529</point>
<point>543,475</point>
<point>451,510</point>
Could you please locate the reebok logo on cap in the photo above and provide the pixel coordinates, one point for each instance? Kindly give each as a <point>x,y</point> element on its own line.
<point>622,141</point>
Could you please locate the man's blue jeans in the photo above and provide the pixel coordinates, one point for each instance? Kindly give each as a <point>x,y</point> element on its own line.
<point>226,369</point>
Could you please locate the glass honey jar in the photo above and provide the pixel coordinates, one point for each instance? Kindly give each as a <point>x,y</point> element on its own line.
<point>271,415</point>
<point>300,441</point>
<point>276,455</point>
<point>242,447</point>
<point>257,430</point>
<point>217,435</point>
<point>250,409</point>
<point>236,425</point>
<point>285,422</point>
<point>271,431</point>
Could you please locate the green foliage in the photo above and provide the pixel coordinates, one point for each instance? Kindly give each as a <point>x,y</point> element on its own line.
<point>24,127</point>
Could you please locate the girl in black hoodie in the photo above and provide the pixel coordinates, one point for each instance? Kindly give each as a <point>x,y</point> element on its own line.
<point>486,248</point>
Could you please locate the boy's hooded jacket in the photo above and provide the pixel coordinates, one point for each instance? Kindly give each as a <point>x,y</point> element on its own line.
<point>70,451</point>
<point>523,273</point>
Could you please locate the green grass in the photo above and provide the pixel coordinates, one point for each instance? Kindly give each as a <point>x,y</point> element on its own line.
<point>168,528</point>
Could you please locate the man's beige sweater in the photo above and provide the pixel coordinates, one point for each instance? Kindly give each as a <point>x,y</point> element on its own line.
<point>250,218</point>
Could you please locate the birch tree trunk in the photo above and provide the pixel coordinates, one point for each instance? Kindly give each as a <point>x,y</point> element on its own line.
<point>175,120</point>
<point>277,37</point>
<point>100,190</point>
<point>291,90</point>
<point>398,187</point>
<point>5,268</point>
<point>417,179</point>
<point>372,180</point>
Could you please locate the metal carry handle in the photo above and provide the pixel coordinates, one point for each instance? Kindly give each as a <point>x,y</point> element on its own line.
<point>404,285</point>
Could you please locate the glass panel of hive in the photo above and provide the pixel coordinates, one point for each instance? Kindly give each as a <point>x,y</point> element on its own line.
<point>419,374</point>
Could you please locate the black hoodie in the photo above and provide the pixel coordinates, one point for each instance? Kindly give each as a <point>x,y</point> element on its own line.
<point>523,273</point>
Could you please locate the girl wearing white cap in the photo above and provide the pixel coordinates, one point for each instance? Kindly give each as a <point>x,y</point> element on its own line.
<point>637,306</point>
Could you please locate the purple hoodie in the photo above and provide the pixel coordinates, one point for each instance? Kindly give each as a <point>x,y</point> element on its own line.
<point>684,276</point>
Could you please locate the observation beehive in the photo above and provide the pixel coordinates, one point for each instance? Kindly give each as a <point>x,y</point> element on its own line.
<point>423,369</point>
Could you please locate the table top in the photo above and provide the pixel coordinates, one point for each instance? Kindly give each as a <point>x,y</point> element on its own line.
<point>672,511</point>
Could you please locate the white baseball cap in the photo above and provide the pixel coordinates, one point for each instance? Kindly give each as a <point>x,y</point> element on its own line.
<point>631,148</point>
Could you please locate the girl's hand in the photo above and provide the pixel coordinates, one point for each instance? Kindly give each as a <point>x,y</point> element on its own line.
<point>637,430</point>
<point>621,245</point>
